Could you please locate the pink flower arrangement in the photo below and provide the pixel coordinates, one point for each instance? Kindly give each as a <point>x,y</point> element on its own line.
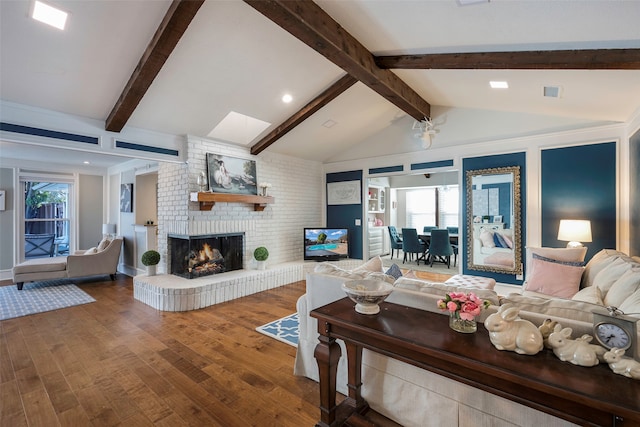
<point>464,306</point>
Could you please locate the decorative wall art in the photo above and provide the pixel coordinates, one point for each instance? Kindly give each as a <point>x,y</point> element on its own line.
<point>126,197</point>
<point>231,174</point>
<point>343,193</point>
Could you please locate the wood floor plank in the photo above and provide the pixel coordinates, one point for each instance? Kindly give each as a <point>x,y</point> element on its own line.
<point>119,362</point>
<point>11,409</point>
<point>39,410</point>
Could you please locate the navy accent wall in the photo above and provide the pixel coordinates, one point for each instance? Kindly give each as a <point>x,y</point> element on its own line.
<point>344,216</point>
<point>634,194</point>
<point>498,161</point>
<point>580,183</point>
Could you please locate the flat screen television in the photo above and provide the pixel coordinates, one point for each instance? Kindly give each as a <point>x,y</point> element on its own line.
<point>326,244</point>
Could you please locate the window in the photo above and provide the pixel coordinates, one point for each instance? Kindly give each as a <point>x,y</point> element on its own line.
<point>421,208</point>
<point>437,206</point>
<point>47,210</point>
<point>448,206</point>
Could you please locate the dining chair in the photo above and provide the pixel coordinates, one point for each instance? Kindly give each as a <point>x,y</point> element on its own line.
<point>411,244</point>
<point>428,228</point>
<point>453,230</point>
<point>396,240</point>
<point>440,249</point>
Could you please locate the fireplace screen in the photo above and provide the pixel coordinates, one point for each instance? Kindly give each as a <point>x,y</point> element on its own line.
<point>197,256</point>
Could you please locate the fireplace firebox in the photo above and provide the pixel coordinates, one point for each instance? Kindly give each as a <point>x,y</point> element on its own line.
<point>198,256</point>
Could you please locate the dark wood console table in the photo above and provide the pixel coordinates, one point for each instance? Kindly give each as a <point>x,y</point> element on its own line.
<point>586,396</point>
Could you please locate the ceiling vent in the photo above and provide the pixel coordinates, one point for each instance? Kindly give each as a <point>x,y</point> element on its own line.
<point>552,91</point>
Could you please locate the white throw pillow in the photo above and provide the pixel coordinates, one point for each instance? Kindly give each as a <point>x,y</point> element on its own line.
<point>612,272</point>
<point>103,244</point>
<point>623,288</point>
<point>374,265</point>
<point>592,295</point>
<point>487,239</point>
<point>597,263</point>
<point>90,251</point>
<point>631,306</point>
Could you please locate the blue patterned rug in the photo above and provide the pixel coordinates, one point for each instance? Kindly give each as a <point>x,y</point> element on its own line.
<point>39,297</point>
<point>285,329</point>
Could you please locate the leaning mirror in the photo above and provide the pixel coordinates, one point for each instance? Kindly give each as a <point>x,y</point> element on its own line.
<point>493,220</point>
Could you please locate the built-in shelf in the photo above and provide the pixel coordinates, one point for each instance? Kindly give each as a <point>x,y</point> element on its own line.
<point>207,200</point>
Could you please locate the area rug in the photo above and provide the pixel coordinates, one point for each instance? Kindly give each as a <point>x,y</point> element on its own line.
<point>285,329</point>
<point>39,297</point>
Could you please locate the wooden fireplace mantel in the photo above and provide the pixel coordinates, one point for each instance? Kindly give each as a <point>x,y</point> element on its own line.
<point>207,200</point>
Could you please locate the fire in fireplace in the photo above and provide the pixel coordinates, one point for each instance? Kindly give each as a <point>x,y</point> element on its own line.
<point>197,256</point>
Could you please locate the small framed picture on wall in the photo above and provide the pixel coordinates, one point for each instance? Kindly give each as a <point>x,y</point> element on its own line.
<point>126,197</point>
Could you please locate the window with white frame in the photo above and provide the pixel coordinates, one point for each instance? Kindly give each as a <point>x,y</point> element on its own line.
<point>433,206</point>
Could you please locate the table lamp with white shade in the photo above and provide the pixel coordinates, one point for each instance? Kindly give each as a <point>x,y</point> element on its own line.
<point>108,230</point>
<point>574,231</point>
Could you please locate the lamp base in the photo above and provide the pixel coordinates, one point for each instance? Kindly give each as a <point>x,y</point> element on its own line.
<point>574,245</point>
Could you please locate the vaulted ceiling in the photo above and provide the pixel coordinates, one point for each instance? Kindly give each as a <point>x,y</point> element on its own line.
<point>181,67</point>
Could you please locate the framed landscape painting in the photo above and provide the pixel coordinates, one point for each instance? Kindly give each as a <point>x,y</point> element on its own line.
<point>231,174</point>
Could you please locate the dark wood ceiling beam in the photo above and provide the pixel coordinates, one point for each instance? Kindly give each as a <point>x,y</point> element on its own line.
<point>175,23</point>
<point>589,59</point>
<point>313,26</point>
<point>304,113</point>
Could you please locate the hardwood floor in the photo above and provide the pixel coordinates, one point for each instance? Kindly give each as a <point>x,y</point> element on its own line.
<point>119,362</point>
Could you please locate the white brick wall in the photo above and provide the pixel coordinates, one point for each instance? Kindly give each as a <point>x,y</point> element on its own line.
<point>296,187</point>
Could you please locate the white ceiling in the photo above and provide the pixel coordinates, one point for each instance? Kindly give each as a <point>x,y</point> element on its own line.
<point>234,59</point>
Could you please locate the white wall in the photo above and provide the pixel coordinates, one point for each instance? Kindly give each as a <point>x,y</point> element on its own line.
<point>297,186</point>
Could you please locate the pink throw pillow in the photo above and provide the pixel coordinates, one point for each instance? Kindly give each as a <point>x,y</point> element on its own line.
<point>554,279</point>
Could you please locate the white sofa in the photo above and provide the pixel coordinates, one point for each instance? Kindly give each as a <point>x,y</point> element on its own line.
<point>415,397</point>
<point>100,260</point>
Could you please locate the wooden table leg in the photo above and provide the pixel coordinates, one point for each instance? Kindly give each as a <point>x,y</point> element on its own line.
<point>354,360</point>
<point>327,354</point>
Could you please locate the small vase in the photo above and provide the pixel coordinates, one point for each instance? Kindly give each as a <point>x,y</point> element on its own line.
<point>261,265</point>
<point>461,325</point>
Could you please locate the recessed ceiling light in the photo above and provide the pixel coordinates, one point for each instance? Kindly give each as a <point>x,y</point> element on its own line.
<point>286,98</point>
<point>87,162</point>
<point>48,14</point>
<point>499,85</point>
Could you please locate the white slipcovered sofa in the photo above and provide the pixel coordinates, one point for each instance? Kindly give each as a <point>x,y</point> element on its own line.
<point>415,397</point>
<point>100,260</point>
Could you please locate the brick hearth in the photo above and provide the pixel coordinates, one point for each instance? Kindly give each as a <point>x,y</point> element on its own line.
<point>172,293</point>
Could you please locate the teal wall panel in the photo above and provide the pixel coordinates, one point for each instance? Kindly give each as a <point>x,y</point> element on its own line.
<point>344,216</point>
<point>579,183</point>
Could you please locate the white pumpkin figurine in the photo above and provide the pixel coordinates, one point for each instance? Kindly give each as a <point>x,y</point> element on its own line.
<point>579,351</point>
<point>622,365</point>
<point>508,331</point>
